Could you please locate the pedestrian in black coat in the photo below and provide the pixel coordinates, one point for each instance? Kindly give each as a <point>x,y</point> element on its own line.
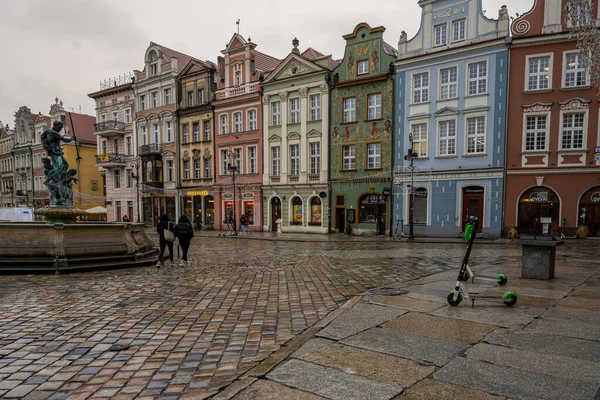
<point>184,232</point>
<point>164,224</point>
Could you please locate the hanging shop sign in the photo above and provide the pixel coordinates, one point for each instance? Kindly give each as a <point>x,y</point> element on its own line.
<point>196,193</point>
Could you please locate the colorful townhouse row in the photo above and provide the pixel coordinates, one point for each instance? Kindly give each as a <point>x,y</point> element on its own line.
<point>502,116</point>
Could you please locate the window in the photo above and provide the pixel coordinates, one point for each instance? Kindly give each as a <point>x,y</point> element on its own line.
<point>186,133</point>
<point>186,169</point>
<point>153,69</point>
<point>28,183</point>
<point>117,178</point>
<point>475,135</point>
<point>251,120</point>
<point>315,107</point>
<point>142,102</point>
<point>196,131</point>
<point>170,171</point>
<point>197,169</point>
<point>315,211</point>
<point>535,133</point>
<point>420,206</point>
<point>421,88</point>
<point>155,133</point>
<point>115,117</point>
<point>224,162</point>
<point>167,95</point>
<point>478,78</point>
<point>252,160</point>
<point>116,145</point>
<point>237,122</point>
<point>154,97</point>
<point>374,155</point>
<point>127,114</point>
<point>169,132</point>
<point>315,158</point>
<point>207,167</point>
<point>440,34</point>
<point>572,131</point>
<point>275,113</point>
<point>370,205</point>
<point>538,73</point>
<point>349,157</point>
<point>579,12</point>
<point>350,109</point>
<point>447,138</point>
<point>294,110</point>
<point>27,160</point>
<point>419,139</point>
<point>458,30</point>
<point>206,127</point>
<point>374,104</point>
<point>295,160</point>
<point>296,211</point>
<point>224,124</point>
<point>128,179</point>
<point>128,146</point>
<point>238,78</point>
<point>575,70</point>
<point>276,161</point>
<point>144,136</point>
<point>237,160</point>
<point>200,96</point>
<point>448,83</point>
<point>190,98</point>
<point>363,67</point>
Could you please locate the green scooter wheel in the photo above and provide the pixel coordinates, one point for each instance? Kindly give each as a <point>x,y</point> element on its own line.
<point>451,300</point>
<point>501,279</point>
<point>510,298</point>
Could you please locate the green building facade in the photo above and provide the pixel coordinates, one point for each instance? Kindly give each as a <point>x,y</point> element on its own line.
<point>362,104</point>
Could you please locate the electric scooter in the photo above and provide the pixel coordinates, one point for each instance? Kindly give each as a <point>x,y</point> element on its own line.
<point>397,235</point>
<point>460,292</point>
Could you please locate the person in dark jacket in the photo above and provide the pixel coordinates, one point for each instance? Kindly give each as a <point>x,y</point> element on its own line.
<point>184,232</point>
<point>164,224</point>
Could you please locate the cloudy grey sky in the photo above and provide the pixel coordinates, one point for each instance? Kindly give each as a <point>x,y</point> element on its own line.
<point>65,47</point>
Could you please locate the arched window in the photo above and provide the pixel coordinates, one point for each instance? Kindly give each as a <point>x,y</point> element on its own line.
<point>152,56</point>
<point>149,177</point>
<point>538,206</point>
<point>296,211</point>
<point>316,211</point>
<point>420,206</point>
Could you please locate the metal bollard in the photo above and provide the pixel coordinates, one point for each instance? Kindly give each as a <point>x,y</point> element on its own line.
<point>56,266</point>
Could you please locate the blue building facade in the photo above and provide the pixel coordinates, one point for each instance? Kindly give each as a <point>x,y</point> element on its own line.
<point>451,97</point>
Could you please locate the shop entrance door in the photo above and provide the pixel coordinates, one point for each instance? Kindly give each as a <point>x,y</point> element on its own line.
<point>275,213</point>
<point>340,219</point>
<point>538,211</point>
<point>589,211</point>
<point>472,205</point>
<point>381,219</point>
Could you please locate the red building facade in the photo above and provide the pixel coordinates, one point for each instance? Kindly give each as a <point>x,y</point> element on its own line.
<point>553,177</point>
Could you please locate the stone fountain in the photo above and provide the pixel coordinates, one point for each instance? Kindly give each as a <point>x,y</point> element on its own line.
<point>61,242</point>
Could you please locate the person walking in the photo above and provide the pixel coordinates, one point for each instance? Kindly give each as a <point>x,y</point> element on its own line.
<point>184,232</point>
<point>166,234</point>
<point>243,224</point>
<point>247,223</point>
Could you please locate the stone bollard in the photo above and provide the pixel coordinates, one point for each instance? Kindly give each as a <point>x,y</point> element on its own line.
<point>539,256</point>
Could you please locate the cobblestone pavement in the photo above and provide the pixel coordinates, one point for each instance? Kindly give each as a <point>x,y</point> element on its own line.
<point>181,332</point>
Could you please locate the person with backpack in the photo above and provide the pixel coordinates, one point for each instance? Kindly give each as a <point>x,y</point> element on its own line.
<point>184,232</point>
<point>166,234</point>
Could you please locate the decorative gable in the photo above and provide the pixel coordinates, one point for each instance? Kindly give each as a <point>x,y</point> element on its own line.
<point>446,111</point>
<point>274,138</point>
<point>314,133</point>
<point>293,65</point>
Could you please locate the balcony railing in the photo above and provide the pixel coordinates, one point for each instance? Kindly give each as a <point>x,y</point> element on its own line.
<point>236,91</point>
<point>110,158</point>
<point>150,148</point>
<point>314,177</point>
<point>111,126</point>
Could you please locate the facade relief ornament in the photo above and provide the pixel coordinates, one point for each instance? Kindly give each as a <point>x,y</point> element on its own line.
<point>403,38</point>
<point>537,107</point>
<point>283,96</point>
<point>266,99</point>
<point>207,154</point>
<point>196,154</point>
<point>293,69</point>
<point>324,88</point>
<point>303,92</point>
<point>575,104</point>
<point>521,27</point>
<point>186,155</point>
<point>449,12</point>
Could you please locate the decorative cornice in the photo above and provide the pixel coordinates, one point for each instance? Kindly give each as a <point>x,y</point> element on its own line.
<point>576,103</point>
<point>538,106</point>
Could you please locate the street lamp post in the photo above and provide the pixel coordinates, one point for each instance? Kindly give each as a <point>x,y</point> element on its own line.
<point>136,165</point>
<point>233,169</point>
<point>411,156</point>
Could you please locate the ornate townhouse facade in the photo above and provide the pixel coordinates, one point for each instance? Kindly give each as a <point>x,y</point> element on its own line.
<point>362,120</point>
<point>7,138</point>
<point>238,119</point>
<point>41,195</point>
<point>155,94</point>
<point>196,86</point>
<point>22,155</point>
<point>296,143</point>
<point>116,154</point>
<point>451,99</point>
<point>553,151</point>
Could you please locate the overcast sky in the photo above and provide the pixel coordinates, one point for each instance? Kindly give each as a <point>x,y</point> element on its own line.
<point>63,48</point>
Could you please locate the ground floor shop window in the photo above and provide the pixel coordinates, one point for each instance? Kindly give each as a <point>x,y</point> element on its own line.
<point>187,206</point>
<point>420,206</point>
<point>539,209</point>
<point>316,211</point>
<point>228,215</point>
<point>147,207</point>
<point>589,211</point>
<point>209,205</point>
<point>296,211</point>
<point>370,205</point>
<point>249,211</point>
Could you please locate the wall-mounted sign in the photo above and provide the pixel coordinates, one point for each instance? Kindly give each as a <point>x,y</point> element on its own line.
<point>386,192</point>
<point>196,193</point>
<point>595,197</point>
<point>546,220</point>
<point>473,190</point>
<point>597,157</point>
<point>322,195</point>
<point>597,149</point>
<point>227,196</point>
<point>539,196</point>
<point>247,195</point>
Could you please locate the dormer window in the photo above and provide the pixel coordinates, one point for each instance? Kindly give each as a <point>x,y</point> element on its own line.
<point>440,34</point>
<point>238,78</point>
<point>153,69</point>
<point>152,59</point>
<point>363,67</point>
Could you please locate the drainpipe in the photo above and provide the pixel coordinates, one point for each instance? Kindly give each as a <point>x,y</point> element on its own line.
<point>392,73</point>
<point>329,76</point>
<point>508,42</point>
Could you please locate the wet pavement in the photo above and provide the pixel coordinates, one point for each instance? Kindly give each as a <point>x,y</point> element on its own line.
<point>187,332</point>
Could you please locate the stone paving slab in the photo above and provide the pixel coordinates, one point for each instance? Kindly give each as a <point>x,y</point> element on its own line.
<point>406,303</point>
<point>414,347</point>
<point>572,314</point>
<point>583,299</point>
<point>442,328</point>
<point>513,383</point>
<point>563,367</point>
<point>358,319</point>
<point>575,329</point>
<point>330,382</point>
<point>498,315</point>
<point>269,390</point>
<point>312,345</point>
<point>380,367</point>
<point>429,389</point>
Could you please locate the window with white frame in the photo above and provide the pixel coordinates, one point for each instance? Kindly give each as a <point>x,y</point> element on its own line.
<point>115,117</point>
<point>575,70</point>
<point>363,67</point>
<point>448,83</point>
<point>536,132</point>
<point>419,139</point>
<point>276,113</point>
<point>207,168</point>
<point>447,138</point>
<point>572,133</point>
<point>117,178</point>
<point>169,132</point>
<point>167,96</point>
<point>170,171</point>
<point>196,131</point>
<point>186,133</point>
<point>237,122</point>
<point>441,32</point>
<point>349,158</point>
<point>128,146</point>
<point>251,120</point>
<point>478,78</point>
<point>197,169</point>
<point>295,110</point>
<point>128,178</point>
<point>374,104</point>
<point>275,161</point>
<point>538,73</point>
<point>127,115</point>
<point>315,158</point>
<point>154,97</point>
<point>224,162</point>
<point>200,96</point>
<point>421,87</point>
<point>350,109</point>
<point>142,102</point>
<point>252,169</point>
<point>190,98</point>
<point>206,128</point>
<point>374,155</point>
<point>155,134</point>
<point>315,107</point>
<point>223,124</point>
<point>144,135</point>
<point>294,159</point>
<point>186,169</point>
<point>458,30</point>
<point>476,135</point>
<point>237,159</point>
<point>238,78</point>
